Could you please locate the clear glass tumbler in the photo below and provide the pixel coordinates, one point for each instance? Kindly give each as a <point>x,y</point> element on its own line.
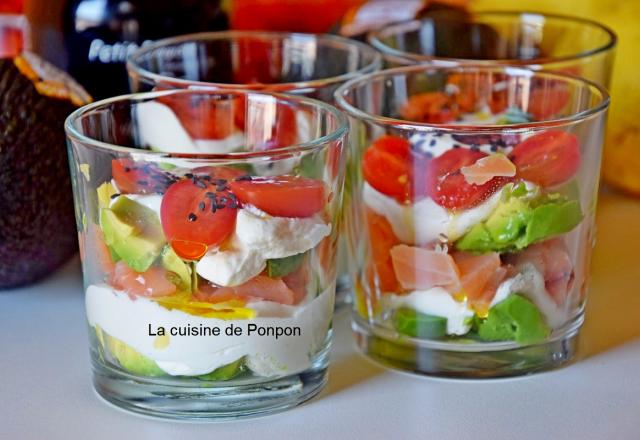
<point>472,222</point>
<point>303,64</point>
<point>538,41</point>
<point>209,276</point>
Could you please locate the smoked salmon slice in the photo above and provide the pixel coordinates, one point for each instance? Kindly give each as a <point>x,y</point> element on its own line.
<point>151,283</point>
<point>381,240</point>
<point>552,260</point>
<point>486,168</point>
<point>265,288</point>
<point>421,269</point>
<point>480,276</point>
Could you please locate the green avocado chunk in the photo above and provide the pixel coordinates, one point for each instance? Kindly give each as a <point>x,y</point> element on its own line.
<point>280,267</point>
<point>516,223</point>
<point>133,231</point>
<point>175,266</point>
<point>419,325</point>
<point>127,357</point>
<point>514,319</point>
<point>226,372</point>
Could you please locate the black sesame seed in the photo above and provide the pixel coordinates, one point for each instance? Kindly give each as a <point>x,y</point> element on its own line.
<point>200,184</point>
<point>432,143</point>
<point>494,148</point>
<point>210,195</point>
<point>456,146</point>
<point>219,182</point>
<point>192,217</point>
<point>241,178</point>
<point>127,169</point>
<point>188,175</point>
<point>114,196</point>
<point>202,206</point>
<point>475,148</point>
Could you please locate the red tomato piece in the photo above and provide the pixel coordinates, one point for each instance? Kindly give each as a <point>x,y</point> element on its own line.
<point>447,185</point>
<point>546,101</point>
<point>548,158</point>
<point>205,117</point>
<point>139,177</point>
<point>226,173</point>
<point>430,107</point>
<point>392,168</point>
<point>195,214</point>
<point>281,196</point>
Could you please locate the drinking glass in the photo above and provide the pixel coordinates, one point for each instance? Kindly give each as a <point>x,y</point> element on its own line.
<point>472,224</point>
<point>538,41</point>
<point>296,63</point>
<point>209,275</point>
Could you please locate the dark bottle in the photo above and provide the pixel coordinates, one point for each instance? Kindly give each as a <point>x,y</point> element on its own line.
<point>99,34</point>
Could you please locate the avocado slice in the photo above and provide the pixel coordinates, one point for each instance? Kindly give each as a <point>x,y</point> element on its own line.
<point>174,265</point>
<point>226,372</point>
<point>514,319</point>
<point>127,357</point>
<point>133,231</point>
<point>516,223</point>
<point>419,325</point>
<point>280,267</point>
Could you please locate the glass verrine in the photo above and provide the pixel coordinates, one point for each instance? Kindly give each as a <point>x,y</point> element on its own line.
<point>528,39</point>
<point>472,221</point>
<point>304,64</point>
<point>209,276</point>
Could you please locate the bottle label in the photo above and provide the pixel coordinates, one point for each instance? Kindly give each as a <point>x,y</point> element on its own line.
<point>105,53</point>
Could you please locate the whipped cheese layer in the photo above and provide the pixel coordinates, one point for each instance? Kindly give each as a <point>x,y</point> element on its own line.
<point>437,301</point>
<point>425,221</point>
<point>129,320</point>
<point>258,237</point>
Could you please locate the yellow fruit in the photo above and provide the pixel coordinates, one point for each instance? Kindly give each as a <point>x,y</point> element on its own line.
<point>621,166</point>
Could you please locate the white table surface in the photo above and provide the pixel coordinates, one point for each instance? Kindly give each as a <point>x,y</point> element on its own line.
<point>46,393</point>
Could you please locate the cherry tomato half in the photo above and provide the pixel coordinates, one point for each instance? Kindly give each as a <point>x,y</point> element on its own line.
<point>430,107</point>
<point>281,196</point>
<point>447,185</point>
<point>547,158</point>
<point>139,177</point>
<point>196,214</point>
<point>388,166</point>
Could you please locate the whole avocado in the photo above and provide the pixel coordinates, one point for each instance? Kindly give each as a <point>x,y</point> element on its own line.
<point>37,223</point>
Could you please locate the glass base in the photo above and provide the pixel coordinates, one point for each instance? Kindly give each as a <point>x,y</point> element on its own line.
<point>465,360</point>
<point>193,400</point>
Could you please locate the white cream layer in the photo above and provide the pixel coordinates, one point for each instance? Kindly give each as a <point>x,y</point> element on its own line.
<point>425,221</point>
<point>129,320</point>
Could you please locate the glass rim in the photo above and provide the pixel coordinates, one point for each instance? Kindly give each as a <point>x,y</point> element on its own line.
<point>375,40</point>
<point>133,66</point>
<point>315,144</point>
<point>351,110</point>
